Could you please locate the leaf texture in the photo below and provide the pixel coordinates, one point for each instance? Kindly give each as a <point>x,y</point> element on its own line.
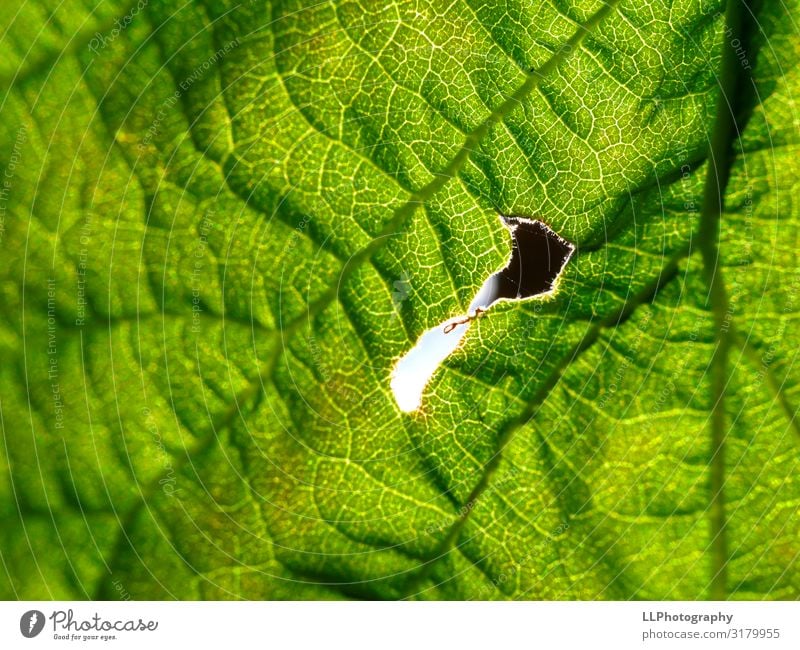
<point>207,210</point>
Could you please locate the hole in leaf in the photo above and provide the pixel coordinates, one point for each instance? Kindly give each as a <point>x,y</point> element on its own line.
<point>538,255</point>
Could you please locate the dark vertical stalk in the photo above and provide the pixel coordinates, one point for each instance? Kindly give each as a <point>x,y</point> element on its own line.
<point>734,79</point>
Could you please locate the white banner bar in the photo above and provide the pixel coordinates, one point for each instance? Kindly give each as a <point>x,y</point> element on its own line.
<point>400,625</point>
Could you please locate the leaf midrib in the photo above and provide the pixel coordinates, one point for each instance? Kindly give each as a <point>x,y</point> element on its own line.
<point>726,129</point>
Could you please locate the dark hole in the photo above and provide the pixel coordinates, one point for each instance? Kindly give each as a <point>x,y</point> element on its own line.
<point>537,256</point>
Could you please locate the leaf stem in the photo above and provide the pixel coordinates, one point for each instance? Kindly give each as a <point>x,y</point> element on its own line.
<point>732,77</point>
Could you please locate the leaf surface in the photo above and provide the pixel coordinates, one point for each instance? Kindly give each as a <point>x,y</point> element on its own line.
<point>208,211</point>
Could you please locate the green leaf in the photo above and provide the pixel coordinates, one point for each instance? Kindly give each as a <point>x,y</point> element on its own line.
<point>224,223</point>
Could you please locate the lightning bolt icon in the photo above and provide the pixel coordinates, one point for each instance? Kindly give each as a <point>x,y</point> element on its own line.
<point>32,622</point>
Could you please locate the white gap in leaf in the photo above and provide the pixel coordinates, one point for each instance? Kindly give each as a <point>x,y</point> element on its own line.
<point>538,255</point>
